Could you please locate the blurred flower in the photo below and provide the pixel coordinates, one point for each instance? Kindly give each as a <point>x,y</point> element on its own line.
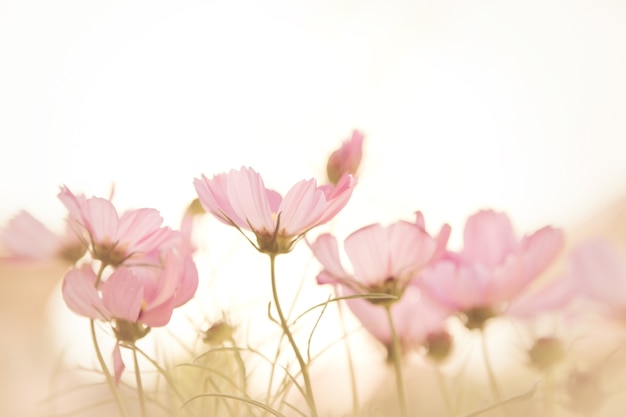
<point>585,394</point>
<point>134,237</point>
<point>346,159</point>
<point>240,199</point>
<point>419,321</point>
<point>132,299</point>
<point>492,270</point>
<point>26,238</point>
<point>599,270</point>
<point>384,259</point>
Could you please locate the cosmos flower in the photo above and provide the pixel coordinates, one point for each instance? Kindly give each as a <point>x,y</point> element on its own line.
<point>132,299</point>
<point>137,236</point>
<point>26,238</point>
<point>384,259</point>
<point>346,159</point>
<point>492,270</point>
<point>240,199</point>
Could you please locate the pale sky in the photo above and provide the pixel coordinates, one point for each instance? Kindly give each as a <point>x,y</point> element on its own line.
<point>466,104</point>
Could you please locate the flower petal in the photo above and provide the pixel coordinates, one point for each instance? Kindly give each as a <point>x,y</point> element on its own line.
<point>80,294</point>
<point>327,253</point>
<point>118,363</point>
<point>488,238</point>
<point>122,294</point>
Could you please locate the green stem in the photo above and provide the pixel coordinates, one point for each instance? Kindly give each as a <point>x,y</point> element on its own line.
<point>140,397</point>
<point>397,363</point>
<point>105,370</point>
<point>103,366</point>
<point>355,394</point>
<point>287,332</point>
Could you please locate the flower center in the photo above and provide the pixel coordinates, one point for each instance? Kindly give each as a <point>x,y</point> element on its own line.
<point>389,286</point>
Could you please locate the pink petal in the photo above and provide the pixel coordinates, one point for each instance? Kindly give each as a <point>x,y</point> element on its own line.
<point>551,297</point>
<point>416,315</point>
<point>188,282</point>
<point>336,197</point>
<point>73,203</point>
<point>368,251</point>
<point>118,363</point>
<point>346,159</point>
<point>373,317</point>
<point>250,200</point>
<point>507,281</point>
<point>410,249</point>
<point>27,238</point>
<point>301,208</point>
<point>100,219</point>
<point>122,294</point>
<point>540,249</point>
<point>213,195</point>
<point>158,315</point>
<point>141,230</point>
<point>600,271</point>
<point>327,253</point>
<point>488,238</point>
<point>456,286</point>
<point>80,294</point>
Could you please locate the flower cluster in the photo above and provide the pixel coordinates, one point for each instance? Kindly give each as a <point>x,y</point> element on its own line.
<point>145,270</point>
<point>406,287</point>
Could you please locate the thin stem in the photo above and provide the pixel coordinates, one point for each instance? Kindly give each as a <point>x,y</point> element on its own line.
<point>140,397</point>
<point>287,332</point>
<point>355,394</point>
<point>105,370</point>
<point>397,363</point>
<point>242,367</point>
<point>444,391</point>
<point>490,374</point>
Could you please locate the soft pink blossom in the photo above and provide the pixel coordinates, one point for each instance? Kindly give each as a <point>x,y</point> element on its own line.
<point>240,198</point>
<point>146,295</point>
<point>346,159</point>
<point>137,236</point>
<point>493,269</point>
<point>384,259</point>
<point>133,299</point>
<point>416,317</point>
<point>598,268</point>
<point>26,238</point>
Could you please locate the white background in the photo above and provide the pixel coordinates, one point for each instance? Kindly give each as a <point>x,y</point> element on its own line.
<point>466,104</point>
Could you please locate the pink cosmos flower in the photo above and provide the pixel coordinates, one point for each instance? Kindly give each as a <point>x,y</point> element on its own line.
<point>492,270</point>
<point>133,299</point>
<point>26,238</point>
<point>240,199</point>
<point>599,271</point>
<point>418,320</point>
<point>384,259</point>
<point>134,237</point>
<point>346,159</point>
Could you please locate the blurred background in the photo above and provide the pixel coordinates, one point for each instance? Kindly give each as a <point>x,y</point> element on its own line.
<point>518,106</point>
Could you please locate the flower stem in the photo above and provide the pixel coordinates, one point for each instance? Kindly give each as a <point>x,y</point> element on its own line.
<point>490,374</point>
<point>444,391</point>
<point>140,397</point>
<point>397,363</point>
<point>355,394</point>
<point>287,332</point>
<point>107,374</point>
